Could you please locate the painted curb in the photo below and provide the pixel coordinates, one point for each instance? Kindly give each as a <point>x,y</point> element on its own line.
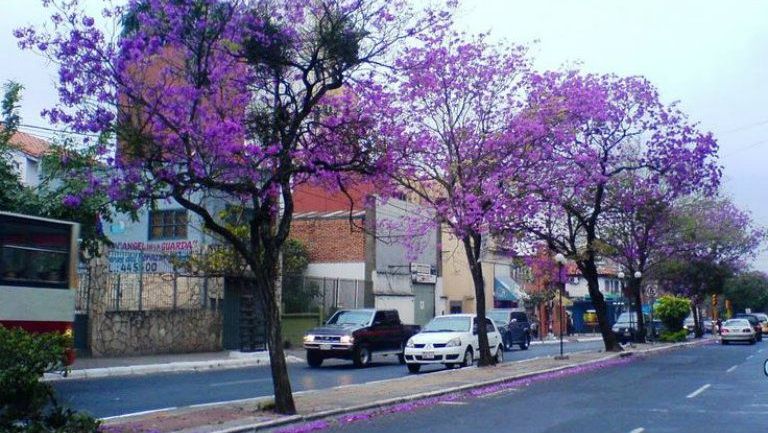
<point>414,397</point>
<point>135,370</point>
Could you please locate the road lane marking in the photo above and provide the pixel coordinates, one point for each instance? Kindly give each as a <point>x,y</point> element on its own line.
<point>698,391</point>
<point>750,356</point>
<point>760,351</point>
<point>239,382</point>
<point>146,412</point>
<point>638,430</point>
<point>731,369</point>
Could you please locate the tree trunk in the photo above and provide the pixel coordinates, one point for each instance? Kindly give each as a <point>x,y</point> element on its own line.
<point>589,271</point>
<point>280,381</point>
<point>637,294</point>
<point>476,270</point>
<point>697,331</point>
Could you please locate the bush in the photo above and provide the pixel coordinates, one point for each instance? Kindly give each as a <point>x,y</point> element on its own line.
<point>672,310</point>
<point>28,405</point>
<point>674,337</point>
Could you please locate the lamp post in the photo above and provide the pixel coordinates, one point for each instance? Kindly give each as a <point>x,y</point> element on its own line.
<point>628,297</point>
<point>637,337</point>
<point>560,259</point>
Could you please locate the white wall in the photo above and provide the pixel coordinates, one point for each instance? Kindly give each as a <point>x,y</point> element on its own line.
<point>344,270</point>
<point>403,304</point>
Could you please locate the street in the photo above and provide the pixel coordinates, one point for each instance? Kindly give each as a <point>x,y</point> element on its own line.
<point>710,388</point>
<point>122,395</point>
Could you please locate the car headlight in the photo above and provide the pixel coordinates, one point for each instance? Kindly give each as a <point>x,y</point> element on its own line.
<point>453,342</point>
<point>347,339</point>
<point>309,338</point>
<point>409,343</point>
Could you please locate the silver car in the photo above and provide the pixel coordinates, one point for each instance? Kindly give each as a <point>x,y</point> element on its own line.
<point>738,330</point>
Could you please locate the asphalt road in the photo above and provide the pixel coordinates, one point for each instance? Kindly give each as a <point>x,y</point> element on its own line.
<point>123,395</point>
<point>711,388</point>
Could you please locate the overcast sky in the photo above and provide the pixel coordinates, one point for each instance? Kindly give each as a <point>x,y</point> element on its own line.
<point>711,55</point>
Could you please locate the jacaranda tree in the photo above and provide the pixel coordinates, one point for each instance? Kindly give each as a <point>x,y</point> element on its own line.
<point>235,100</point>
<point>454,127</point>
<point>618,126</point>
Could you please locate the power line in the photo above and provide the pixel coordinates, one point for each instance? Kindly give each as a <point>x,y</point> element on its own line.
<point>744,127</point>
<point>57,131</point>
<point>747,147</point>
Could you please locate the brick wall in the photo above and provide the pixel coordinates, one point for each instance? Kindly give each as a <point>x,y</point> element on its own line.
<point>331,239</point>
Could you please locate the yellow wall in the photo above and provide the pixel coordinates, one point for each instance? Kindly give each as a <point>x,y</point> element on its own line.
<point>457,280</point>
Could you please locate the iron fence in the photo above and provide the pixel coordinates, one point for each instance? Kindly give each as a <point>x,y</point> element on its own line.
<point>302,294</point>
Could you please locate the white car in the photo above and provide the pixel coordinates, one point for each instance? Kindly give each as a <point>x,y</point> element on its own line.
<point>451,340</point>
<point>737,330</point>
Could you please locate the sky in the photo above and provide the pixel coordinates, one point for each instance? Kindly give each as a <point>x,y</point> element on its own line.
<point>710,55</point>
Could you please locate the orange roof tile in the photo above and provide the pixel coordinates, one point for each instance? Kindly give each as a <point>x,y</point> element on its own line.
<point>29,144</point>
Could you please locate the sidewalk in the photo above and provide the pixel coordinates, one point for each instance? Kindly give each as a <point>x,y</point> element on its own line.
<point>356,402</point>
<point>87,367</point>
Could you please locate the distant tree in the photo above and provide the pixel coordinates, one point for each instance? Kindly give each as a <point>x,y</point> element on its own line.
<point>748,290</point>
<point>610,128</point>
<point>715,239</point>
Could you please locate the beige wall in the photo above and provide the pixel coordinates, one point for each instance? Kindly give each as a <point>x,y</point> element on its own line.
<point>457,280</point>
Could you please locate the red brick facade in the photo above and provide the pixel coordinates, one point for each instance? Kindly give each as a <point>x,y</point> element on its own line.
<point>331,239</point>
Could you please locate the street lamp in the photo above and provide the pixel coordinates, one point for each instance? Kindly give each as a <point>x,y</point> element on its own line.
<point>628,297</point>
<point>637,337</point>
<point>560,259</point>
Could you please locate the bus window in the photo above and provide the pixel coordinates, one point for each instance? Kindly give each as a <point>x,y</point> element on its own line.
<point>35,254</point>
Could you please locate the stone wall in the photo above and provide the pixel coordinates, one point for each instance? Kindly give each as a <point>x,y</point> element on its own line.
<point>150,331</point>
<point>156,331</point>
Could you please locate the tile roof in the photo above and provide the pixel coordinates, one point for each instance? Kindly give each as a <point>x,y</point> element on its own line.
<point>29,144</point>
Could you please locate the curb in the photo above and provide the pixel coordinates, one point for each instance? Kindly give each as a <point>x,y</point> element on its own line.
<point>414,397</point>
<point>171,367</point>
<point>577,340</point>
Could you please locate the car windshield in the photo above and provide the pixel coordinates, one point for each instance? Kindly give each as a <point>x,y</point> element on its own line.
<point>736,322</point>
<point>448,324</point>
<point>499,316</point>
<point>627,317</point>
<point>351,318</point>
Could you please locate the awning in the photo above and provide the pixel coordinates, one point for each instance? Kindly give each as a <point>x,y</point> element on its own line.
<point>506,289</point>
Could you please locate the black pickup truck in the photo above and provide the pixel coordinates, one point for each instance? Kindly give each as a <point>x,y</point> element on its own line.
<point>357,335</point>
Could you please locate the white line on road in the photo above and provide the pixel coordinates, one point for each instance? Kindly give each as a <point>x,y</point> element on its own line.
<point>146,412</point>
<point>731,369</point>
<point>698,391</point>
<point>750,356</point>
<point>760,351</point>
<point>239,382</point>
<point>638,430</point>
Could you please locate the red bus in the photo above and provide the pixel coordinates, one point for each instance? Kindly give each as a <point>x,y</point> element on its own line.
<point>38,273</point>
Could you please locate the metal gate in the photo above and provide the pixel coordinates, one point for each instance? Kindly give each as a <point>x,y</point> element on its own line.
<point>424,303</point>
<point>244,325</point>
<point>82,306</point>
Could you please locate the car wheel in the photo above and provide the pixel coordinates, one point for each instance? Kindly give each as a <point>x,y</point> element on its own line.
<point>401,355</point>
<point>753,341</point>
<point>469,358</point>
<point>526,343</point>
<point>499,354</point>
<point>507,343</point>
<point>361,356</point>
<point>414,368</point>
<point>724,342</point>
<point>314,358</point>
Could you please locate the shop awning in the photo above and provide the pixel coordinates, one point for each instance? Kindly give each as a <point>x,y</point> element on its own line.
<point>506,289</point>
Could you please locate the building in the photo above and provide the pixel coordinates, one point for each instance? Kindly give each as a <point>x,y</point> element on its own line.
<point>365,249</point>
<point>26,154</point>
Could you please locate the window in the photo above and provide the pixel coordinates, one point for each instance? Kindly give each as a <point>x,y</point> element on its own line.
<point>34,255</point>
<point>168,224</point>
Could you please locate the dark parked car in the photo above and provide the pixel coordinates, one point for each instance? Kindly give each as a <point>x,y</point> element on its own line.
<point>625,327</point>
<point>754,321</point>
<point>356,335</point>
<point>514,326</point>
